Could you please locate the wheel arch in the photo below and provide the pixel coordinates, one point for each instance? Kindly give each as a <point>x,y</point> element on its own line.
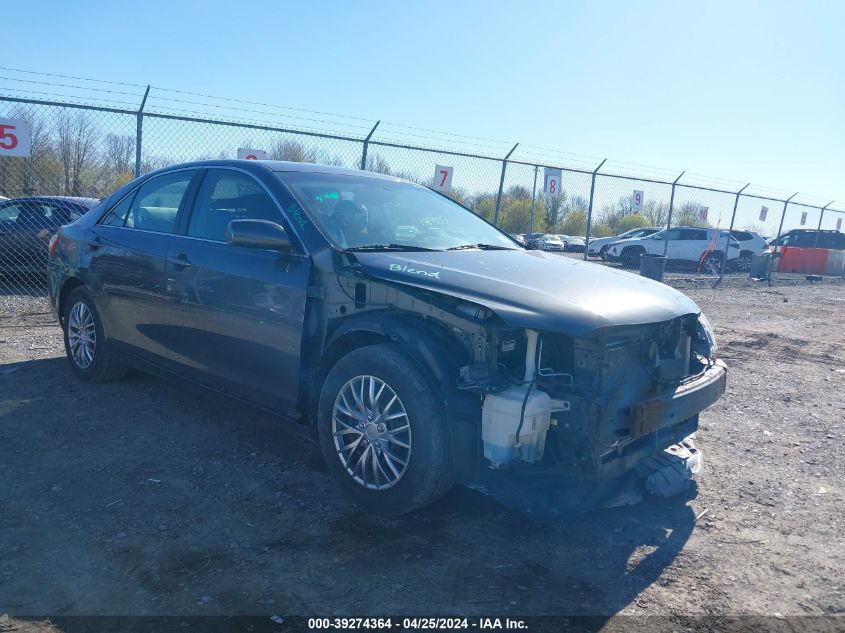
<point>68,286</point>
<point>427,345</point>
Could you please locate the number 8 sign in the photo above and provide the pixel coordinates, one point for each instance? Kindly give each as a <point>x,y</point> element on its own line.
<point>14,138</point>
<point>552,185</point>
<point>442,178</point>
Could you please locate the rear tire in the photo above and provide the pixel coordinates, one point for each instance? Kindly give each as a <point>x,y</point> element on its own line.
<point>392,459</point>
<point>85,341</point>
<point>713,263</point>
<point>743,263</point>
<point>631,256</point>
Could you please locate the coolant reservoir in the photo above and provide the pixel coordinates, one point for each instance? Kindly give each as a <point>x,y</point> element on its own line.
<point>500,420</point>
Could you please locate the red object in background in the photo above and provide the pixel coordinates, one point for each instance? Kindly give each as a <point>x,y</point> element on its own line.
<point>803,260</point>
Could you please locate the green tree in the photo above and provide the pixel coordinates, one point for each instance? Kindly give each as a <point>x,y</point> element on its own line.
<point>575,223</point>
<point>633,221</point>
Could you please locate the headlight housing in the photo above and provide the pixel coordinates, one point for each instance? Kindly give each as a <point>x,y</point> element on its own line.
<point>705,343</point>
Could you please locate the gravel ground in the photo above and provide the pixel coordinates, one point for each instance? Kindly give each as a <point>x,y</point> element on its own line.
<point>138,497</point>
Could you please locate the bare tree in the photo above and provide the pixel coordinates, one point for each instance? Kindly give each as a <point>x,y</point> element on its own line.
<point>292,151</point>
<point>76,144</point>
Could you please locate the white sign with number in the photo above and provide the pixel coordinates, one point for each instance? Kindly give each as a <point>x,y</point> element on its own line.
<point>552,181</point>
<point>764,211</point>
<point>637,200</point>
<point>252,154</point>
<point>442,178</point>
<point>804,218</point>
<point>839,224</point>
<point>702,212</point>
<point>15,139</point>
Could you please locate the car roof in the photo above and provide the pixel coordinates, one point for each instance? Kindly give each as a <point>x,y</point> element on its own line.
<point>85,202</point>
<point>282,166</point>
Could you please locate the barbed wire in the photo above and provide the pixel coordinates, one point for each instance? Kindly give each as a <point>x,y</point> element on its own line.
<point>387,129</point>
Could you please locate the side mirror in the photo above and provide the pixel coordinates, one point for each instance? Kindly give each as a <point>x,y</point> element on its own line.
<point>258,234</point>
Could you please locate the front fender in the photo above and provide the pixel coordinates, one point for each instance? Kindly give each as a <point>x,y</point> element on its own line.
<point>427,344</point>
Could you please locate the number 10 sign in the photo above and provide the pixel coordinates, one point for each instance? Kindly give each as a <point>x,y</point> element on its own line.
<point>442,178</point>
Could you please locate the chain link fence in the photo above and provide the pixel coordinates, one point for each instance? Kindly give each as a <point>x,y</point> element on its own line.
<point>82,151</point>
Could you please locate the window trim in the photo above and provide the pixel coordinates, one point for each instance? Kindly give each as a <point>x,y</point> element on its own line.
<point>189,192</point>
<point>286,224</point>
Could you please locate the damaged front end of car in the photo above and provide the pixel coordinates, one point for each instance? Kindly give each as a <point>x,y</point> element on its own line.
<point>620,402</point>
<point>546,408</point>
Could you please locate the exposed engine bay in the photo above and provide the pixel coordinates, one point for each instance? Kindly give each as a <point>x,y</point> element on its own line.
<point>591,406</point>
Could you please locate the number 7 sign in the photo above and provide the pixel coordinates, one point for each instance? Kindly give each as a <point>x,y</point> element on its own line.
<point>442,178</point>
<point>14,138</point>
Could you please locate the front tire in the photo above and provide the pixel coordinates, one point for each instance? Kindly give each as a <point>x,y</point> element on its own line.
<point>383,433</point>
<point>85,341</point>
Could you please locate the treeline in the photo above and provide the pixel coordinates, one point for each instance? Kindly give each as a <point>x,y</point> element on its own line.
<point>72,156</point>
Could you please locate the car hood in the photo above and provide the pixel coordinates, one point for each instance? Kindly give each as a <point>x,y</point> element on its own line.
<point>533,289</point>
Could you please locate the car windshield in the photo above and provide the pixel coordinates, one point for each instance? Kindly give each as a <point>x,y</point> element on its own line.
<point>363,213</point>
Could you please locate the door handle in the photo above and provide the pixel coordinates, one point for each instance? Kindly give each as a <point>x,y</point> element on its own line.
<point>181,260</point>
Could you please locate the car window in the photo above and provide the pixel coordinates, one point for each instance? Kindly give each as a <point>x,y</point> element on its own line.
<point>157,202</point>
<point>117,215</point>
<point>693,234</point>
<point>362,211</point>
<point>9,212</point>
<point>225,196</point>
<point>673,234</point>
<point>33,214</point>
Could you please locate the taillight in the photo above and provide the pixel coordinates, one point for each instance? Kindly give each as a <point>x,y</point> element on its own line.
<point>54,242</point>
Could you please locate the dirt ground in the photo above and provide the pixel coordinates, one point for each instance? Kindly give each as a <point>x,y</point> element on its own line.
<point>137,497</point>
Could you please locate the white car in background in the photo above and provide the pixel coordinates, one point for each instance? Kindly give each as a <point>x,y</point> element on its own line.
<point>690,246</point>
<point>598,246</point>
<point>750,243</point>
<point>551,243</point>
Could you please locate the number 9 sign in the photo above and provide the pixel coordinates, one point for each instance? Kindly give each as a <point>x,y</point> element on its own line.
<point>637,200</point>
<point>15,139</point>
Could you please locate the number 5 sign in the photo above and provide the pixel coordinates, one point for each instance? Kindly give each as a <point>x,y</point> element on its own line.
<point>442,178</point>
<point>14,138</point>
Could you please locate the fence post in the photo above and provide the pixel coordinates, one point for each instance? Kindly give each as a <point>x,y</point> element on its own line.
<point>669,219</point>
<point>590,210</point>
<point>533,198</point>
<point>818,231</point>
<point>728,237</point>
<point>502,184</point>
<point>366,145</point>
<point>783,215</point>
<point>139,130</point>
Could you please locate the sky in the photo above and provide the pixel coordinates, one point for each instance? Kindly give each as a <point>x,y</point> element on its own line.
<point>740,91</point>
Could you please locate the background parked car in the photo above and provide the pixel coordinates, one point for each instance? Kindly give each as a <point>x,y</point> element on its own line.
<point>689,246</point>
<point>573,243</point>
<point>551,243</point>
<point>532,240</point>
<point>26,225</point>
<point>598,247</point>
<point>750,243</point>
<point>806,238</point>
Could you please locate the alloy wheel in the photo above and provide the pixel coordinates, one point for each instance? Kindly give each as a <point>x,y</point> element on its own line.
<point>372,432</point>
<point>82,335</point>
